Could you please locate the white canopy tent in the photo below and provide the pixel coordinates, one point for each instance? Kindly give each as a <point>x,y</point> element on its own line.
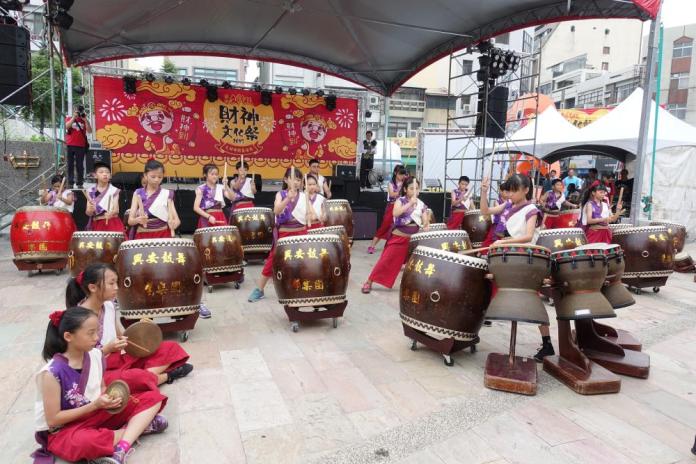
<point>550,128</point>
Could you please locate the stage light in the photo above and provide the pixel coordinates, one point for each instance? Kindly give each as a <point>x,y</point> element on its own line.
<point>266,97</point>
<point>320,93</point>
<point>79,90</point>
<point>129,84</point>
<point>257,88</point>
<point>279,90</point>
<point>150,77</point>
<point>186,81</point>
<point>64,4</point>
<point>168,79</point>
<point>368,114</point>
<point>292,90</point>
<point>484,47</point>
<point>330,102</point>
<point>226,85</point>
<point>203,82</point>
<point>61,19</point>
<point>211,93</point>
<point>305,92</point>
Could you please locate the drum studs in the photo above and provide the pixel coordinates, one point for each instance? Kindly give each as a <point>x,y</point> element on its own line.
<point>127,282</point>
<point>279,275</point>
<point>197,279</point>
<point>337,271</point>
<point>435,296</point>
<point>645,254</point>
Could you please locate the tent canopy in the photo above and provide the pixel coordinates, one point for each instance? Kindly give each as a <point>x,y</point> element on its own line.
<point>377,44</point>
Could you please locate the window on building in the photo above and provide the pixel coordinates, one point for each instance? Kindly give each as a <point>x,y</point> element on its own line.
<point>503,39</point>
<point>545,88</point>
<point>464,100</point>
<point>439,102</point>
<point>679,80</point>
<point>467,66</point>
<point>678,110</point>
<point>214,73</point>
<point>605,66</point>
<point>37,24</point>
<point>591,99</point>
<point>181,71</point>
<point>682,47</point>
<point>397,129</point>
<point>606,50</point>
<point>625,89</point>
<point>288,83</point>
<point>415,125</point>
<point>526,42</point>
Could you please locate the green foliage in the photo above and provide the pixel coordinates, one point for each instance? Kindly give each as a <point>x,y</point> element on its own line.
<point>168,66</point>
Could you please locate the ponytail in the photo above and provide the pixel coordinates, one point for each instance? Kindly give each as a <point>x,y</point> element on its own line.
<point>78,287</point>
<point>60,322</point>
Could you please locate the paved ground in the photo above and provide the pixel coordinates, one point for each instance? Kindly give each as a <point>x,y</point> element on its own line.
<point>262,394</point>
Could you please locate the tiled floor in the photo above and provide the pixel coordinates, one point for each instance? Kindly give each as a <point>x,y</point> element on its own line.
<point>263,394</point>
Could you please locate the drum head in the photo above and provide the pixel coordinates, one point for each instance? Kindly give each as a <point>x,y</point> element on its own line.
<point>118,389</point>
<point>146,335</point>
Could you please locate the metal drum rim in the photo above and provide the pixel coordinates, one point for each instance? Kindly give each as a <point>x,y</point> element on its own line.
<point>471,212</point>
<point>312,239</point>
<point>202,230</point>
<point>538,250</point>
<point>157,242</point>
<point>567,231</point>
<point>671,223</point>
<point>322,230</point>
<point>255,208</point>
<point>337,201</point>
<point>632,230</point>
<point>43,208</point>
<point>439,234</point>
<point>96,233</point>
<point>466,260</point>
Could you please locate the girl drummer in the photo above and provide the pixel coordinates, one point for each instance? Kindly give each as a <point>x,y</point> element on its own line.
<point>460,203</point>
<point>596,215</point>
<point>95,289</point>
<point>497,230</point>
<point>58,196</point>
<point>152,209</point>
<point>102,207</point>
<point>210,198</point>
<point>290,211</point>
<point>410,214</point>
<point>552,202</point>
<point>72,410</point>
<point>244,187</point>
<point>393,189</point>
<point>315,201</point>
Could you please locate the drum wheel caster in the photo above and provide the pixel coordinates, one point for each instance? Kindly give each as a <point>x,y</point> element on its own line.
<point>472,349</point>
<point>656,289</point>
<point>448,360</point>
<point>184,336</point>
<point>295,327</point>
<point>210,289</point>
<point>335,322</point>
<point>414,345</point>
<point>30,273</point>
<point>236,285</point>
<point>58,271</point>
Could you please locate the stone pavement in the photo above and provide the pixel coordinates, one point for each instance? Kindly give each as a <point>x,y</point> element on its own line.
<point>263,394</point>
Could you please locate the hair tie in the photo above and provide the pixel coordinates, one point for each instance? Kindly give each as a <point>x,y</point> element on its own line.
<point>55,317</point>
<point>80,277</point>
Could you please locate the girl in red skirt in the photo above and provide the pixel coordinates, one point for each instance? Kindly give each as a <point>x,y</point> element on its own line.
<point>315,203</point>
<point>210,198</point>
<point>497,230</point>
<point>152,209</point>
<point>95,289</point>
<point>102,207</point>
<point>409,215</point>
<point>393,189</point>
<point>58,196</point>
<point>552,202</point>
<point>290,209</point>
<point>596,215</point>
<point>460,204</point>
<point>243,187</point>
<point>72,414</point>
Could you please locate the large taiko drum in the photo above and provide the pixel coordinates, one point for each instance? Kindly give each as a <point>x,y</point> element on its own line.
<point>618,225</point>
<point>159,278</point>
<point>339,213</point>
<point>92,247</point>
<point>476,225</point>
<point>444,294</point>
<point>613,289</point>
<point>220,248</point>
<point>310,270</point>
<point>561,239</point>
<point>683,262</point>
<point>582,273</point>
<point>518,271</point>
<point>675,230</point>
<point>255,227</point>
<point>448,240</point>
<point>334,230</point>
<point>436,226</point>
<point>648,252</point>
<point>565,218</point>
<point>41,234</point>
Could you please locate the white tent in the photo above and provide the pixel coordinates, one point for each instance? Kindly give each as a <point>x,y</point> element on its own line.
<point>551,130</point>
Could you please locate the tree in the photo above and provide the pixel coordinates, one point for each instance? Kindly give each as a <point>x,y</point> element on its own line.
<point>169,67</point>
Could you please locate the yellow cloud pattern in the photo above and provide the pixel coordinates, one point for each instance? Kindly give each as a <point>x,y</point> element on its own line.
<point>343,147</point>
<point>115,136</point>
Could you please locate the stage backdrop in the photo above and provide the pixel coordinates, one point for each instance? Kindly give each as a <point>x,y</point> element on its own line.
<point>177,125</point>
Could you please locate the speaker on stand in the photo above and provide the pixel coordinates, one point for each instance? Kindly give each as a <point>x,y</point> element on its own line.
<point>15,65</point>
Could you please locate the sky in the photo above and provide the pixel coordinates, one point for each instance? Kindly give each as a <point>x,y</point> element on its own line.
<point>678,12</point>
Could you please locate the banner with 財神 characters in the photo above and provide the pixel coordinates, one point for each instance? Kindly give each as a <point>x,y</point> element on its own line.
<point>177,125</point>
<point>580,117</point>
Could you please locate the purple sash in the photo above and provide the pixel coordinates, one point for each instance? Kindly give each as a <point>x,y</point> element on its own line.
<point>510,210</point>
<point>208,198</point>
<point>458,194</point>
<point>404,222</point>
<point>396,187</point>
<point>52,197</point>
<point>153,221</point>
<point>596,214</point>
<point>551,200</point>
<point>285,218</point>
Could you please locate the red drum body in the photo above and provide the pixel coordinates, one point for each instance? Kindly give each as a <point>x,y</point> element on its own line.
<point>676,231</point>
<point>220,248</point>
<point>519,271</point>
<point>339,213</point>
<point>41,233</point>
<point>476,225</point>
<point>92,247</point>
<point>648,252</point>
<point>568,218</point>
<point>255,226</point>
<point>310,270</point>
<point>561,239</point>
<point>159,278</point>
<point>447,240</point>
<point>444,294</point>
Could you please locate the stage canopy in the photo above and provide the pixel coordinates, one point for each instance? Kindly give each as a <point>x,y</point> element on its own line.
<point>378,44</point>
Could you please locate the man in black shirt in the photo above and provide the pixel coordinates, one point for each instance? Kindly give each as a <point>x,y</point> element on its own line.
<point>367,158</point>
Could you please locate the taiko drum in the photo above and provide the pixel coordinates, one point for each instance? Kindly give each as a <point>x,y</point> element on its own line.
<point>220,248</point>
<point>41,233</point>
<point>88,247</point>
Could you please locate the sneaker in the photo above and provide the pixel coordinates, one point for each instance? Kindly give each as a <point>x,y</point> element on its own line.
<point>120,455</point>
<point>366,288</point>
<point>370,250</point>
<point>256,295</point>
<point>487,323</point>
<point>693,450</point>
<point>544,351</point>
<point>204,312</point>
<point>104,460</point>
<point>158,425</point>
<point>179,372</point>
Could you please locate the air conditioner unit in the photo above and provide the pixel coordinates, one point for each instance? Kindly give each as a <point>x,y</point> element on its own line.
<point>374,100</point>
<point>466,108</point>
<point>413,133</point>
<point>400,134</point>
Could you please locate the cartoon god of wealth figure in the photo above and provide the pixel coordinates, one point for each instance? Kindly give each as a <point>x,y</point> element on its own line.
<point>314,129</point>
<point>158,120</point>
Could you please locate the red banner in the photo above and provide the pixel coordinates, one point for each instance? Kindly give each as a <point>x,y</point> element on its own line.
<point>178,125</point>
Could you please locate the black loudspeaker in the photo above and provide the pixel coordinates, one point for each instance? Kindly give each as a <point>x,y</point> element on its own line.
<point>364,224</point>
<point>345,171</point>
<point>126,180</point>
<point>183,201</point>
<point>97,156</point>
<point>496,120</point>
<point>15,65</point>
<point>351,189</point>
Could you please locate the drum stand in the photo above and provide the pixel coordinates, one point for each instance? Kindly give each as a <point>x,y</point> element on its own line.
<point>444,346</point>
<point>510,373</point>
<point>255,255</point>
<point>30,266</point>
<point>218,278</point>
<point>623,338</point>
<point>609,354</point>
<point>180,324</point>
<point>329,311</point>
<point>636,285</point>
<point>572,367</point>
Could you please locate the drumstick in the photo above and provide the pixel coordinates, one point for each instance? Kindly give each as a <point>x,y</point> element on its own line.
<point>224,176</point>
<point>60,189</point>
<point>292,176</point>
<point>242,161</point>
<point>308,203</point>
<point>108,208</point>
<point>138,346</point>
<point>84,192</point>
